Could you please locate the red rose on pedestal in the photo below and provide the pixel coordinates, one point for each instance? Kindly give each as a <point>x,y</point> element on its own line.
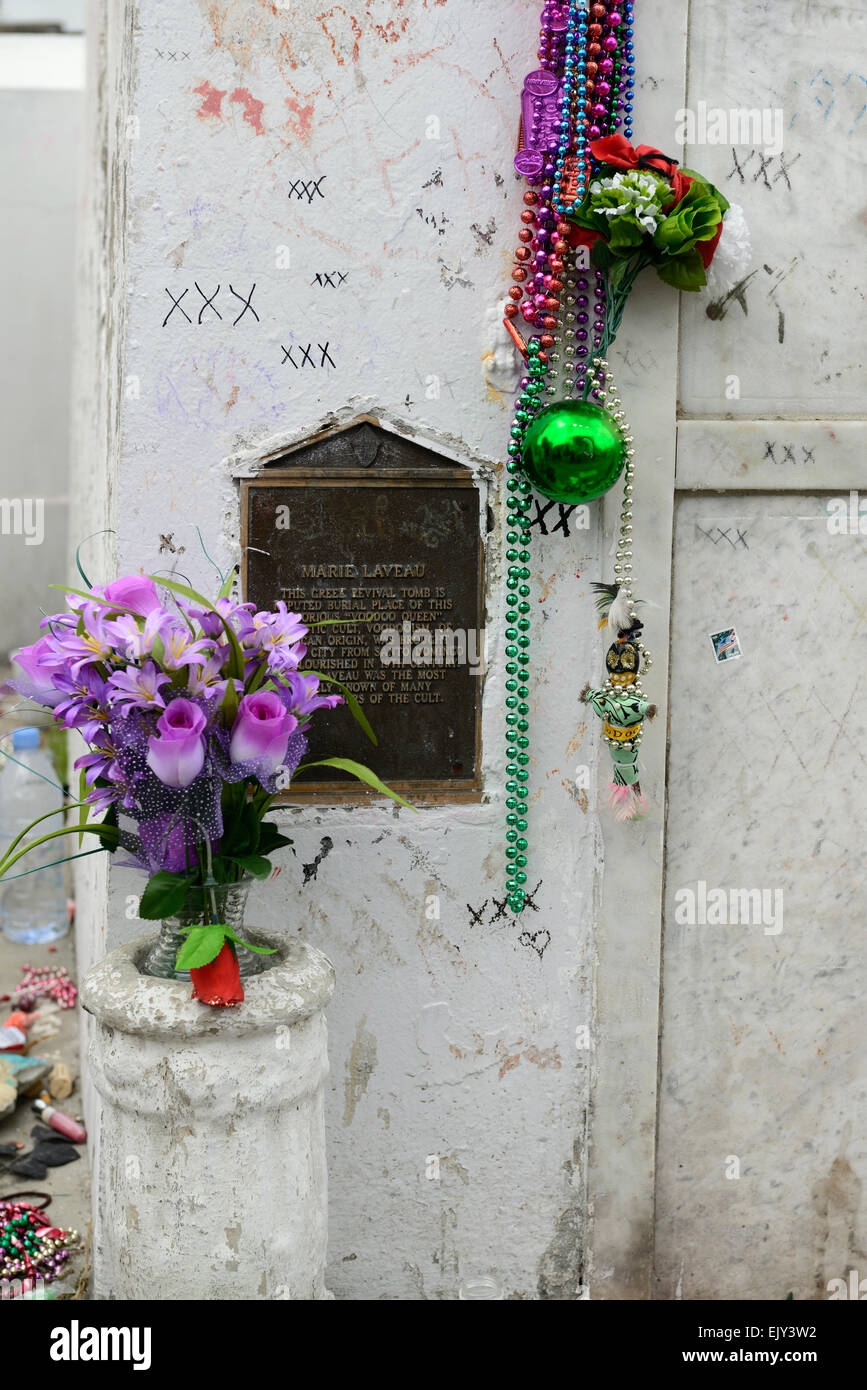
<point>219,982</point>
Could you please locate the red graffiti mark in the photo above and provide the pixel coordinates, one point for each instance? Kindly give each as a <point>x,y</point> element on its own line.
<point>304,116</point>
<point>211,100</point>
<point>252,108</point>
<point>354,25</point>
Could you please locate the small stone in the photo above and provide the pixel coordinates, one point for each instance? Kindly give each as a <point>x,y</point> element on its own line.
<point>60,1081</point>
<point>18,1074</point>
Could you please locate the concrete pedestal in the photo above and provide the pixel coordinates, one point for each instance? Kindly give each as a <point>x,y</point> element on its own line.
<point>209,1172</point>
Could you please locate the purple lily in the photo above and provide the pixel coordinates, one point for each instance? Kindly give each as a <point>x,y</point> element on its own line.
<point>180,647</point>
<point>205,679</point>
<point>299,692</point>
<point>84,705</point>
<point>238,615</point>
<point>135,639</point>
<point>279,636</point>
<point>138,687</point>
<point>96,643</point>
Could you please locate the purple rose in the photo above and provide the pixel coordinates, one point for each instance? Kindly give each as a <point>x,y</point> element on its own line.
<point>178,755</point>
<point>135,592</point>
<point>261,730</point>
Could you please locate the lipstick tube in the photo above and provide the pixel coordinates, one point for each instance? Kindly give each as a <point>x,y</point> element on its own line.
<point>64,1124</point>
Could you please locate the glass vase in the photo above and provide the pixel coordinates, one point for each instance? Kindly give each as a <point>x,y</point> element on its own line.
<point>224,903</point>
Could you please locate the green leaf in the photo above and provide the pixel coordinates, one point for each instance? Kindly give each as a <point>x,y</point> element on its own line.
<point>354,707</point>
<point>683,272</point>
<point>363,774</point>
<point>235,666</point>
<point>93,598</point>
<point>164,895</point>
<point>83,807</point>
<point>600,255</point>
<point>260,950</point>
<point>107,833</point>
<point>226,586</point>
<point>271,838</point>
<point>255,864</point>
<point>202,946</point>
<point>626,233</point>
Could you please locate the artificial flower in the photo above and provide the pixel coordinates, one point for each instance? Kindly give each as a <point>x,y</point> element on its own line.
<point>138,687</point>
<point>279,636</point>
<point>220,981</point>
<point>134,639</point>
<point>732,258</point>
<point>180,646</point>
<point>177,756</point>
<point>136,592</point>
<point>695,218</point>
<point>178,705</point>
<point>261,731</point>
<point>39,662</point>
<point>299,692</point>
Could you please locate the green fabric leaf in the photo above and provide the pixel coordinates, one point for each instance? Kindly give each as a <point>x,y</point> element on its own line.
<point>271,838</point>
<point>164,895</point>
<point>239,941</point>
<point>226,586</point>
<point>203,944</point>
<point>363,774</point>
<point>625,234</point>
<point>711,188</point>
<point>683,272</point>
<point>256,865</point>
<point>354,707</point>
<point>601,256</point>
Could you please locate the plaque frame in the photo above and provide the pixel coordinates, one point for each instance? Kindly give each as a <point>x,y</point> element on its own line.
<point>429,791</point>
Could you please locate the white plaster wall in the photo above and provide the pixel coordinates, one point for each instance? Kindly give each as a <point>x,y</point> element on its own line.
<point>454,1037</point>
<point>761,1159</point>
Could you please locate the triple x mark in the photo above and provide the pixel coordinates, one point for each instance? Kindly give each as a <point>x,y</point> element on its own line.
<point>306,359</point>
<point>325,277</point>
<point>209,304</point>
<point>476,913</point>
<point>301,188</point>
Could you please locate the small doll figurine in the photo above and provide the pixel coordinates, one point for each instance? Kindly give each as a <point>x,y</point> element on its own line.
<point>620,702</point>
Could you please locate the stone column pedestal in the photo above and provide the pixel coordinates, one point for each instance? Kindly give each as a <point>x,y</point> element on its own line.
<point>209,1161</point>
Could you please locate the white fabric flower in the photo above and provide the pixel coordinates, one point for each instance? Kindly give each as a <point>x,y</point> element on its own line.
<point>733,253</point>
<point>640,197</point>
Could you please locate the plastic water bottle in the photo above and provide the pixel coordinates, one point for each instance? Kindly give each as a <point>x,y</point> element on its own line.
<point>32,908</point>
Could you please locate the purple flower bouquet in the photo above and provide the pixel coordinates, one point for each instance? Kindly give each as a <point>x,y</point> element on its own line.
<point>195,715</point>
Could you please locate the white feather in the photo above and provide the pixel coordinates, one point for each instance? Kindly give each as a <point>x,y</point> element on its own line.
<point>619,616</point>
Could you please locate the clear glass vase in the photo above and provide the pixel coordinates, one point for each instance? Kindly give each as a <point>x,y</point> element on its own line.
<point>225,903</point>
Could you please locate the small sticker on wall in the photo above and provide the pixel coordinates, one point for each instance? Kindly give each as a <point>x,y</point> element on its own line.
<point>726,646</point>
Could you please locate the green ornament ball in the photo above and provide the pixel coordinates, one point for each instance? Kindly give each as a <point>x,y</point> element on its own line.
<point>573,451</point>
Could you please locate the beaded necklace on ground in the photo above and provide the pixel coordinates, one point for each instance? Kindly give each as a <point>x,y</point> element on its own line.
<point>587,49</point>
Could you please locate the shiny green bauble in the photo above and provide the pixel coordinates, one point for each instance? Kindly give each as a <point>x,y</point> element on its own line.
<point>573,451</point>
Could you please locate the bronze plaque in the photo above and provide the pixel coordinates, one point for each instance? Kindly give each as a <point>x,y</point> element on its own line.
<point>362,524</point>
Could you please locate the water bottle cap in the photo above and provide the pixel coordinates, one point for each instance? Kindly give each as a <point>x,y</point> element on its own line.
<point>25,738</point>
